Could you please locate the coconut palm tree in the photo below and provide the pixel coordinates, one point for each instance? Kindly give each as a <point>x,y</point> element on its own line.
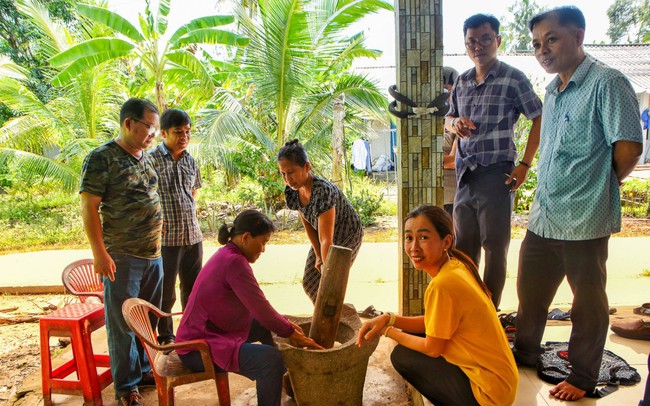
<point>49,140</point>
<point>175,60</point>
<point>296,65</point>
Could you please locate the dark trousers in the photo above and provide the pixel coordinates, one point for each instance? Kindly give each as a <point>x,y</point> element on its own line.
<point>185,262</point>
<point>261,363</point>
<point>311,277</point>
<point>646,394</point>
<point>543,264</point>
<point>436,379</point>
<point>482,215</point>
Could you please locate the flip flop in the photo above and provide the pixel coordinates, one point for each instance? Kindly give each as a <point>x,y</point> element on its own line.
<point>557,314</point>
<point>370,312</point>
<point>644,310</point>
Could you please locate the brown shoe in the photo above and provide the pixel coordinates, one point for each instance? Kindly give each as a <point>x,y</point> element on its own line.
<point>132,399</point>
<point>636,329</point>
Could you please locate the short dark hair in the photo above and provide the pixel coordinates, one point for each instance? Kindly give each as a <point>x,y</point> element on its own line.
<point>294,152</point>
<point>566,16</point>
<point>449,75</point>
<point>248,221</point>
<point>174,118</point>
<point>478,20</point>
<point>134,108</point>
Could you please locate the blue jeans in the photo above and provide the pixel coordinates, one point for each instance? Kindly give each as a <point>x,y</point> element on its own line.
<point>134,277</point>
<point>261,363</point>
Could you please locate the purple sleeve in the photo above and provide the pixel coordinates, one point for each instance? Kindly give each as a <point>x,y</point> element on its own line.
<point>245,286</point>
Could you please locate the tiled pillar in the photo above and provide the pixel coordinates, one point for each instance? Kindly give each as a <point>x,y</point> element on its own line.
<point>419,170</point>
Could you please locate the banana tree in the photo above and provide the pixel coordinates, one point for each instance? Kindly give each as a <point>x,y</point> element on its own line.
<point>168,62</point>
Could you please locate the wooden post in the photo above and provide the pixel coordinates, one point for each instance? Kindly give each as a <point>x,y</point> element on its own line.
<point>331,292</point>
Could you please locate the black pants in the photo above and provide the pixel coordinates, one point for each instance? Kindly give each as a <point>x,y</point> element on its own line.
<point>482,217</point>
<point>646,394</point>
<point>543,264</point>
<point>185,262</point>
<point>436,379</point>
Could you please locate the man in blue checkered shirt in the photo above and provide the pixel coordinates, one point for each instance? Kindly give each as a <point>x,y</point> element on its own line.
<point>486,102</point>
<point>182,246</point>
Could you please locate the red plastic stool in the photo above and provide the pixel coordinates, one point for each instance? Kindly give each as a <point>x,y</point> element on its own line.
<point>76,321</point>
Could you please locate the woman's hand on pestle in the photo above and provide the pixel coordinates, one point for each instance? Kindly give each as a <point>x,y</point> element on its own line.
<point>371,328</point>
<point>299,340</point>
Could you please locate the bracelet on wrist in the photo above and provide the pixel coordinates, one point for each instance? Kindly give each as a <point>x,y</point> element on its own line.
<point>526,164</point>
<point>391,319</point>
<point>389,328</point>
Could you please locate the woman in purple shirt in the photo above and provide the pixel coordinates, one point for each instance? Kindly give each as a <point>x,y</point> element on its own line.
<point>228,309</point>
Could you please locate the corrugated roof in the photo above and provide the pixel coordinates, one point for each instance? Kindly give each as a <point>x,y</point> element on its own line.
<point>631,59</point>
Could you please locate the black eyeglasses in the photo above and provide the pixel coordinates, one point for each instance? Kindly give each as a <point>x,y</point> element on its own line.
<point>483,41</point>
<point>151,129</point>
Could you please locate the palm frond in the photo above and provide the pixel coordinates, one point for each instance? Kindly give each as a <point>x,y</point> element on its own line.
<point>335,16</point>
<point>11,70</point>
<point>36,166</point>
<point>223,126</point>
<point>54,39</point>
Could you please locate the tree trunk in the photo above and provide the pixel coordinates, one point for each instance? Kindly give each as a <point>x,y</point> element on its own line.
<point>161,98</point>
<point>337,142</point>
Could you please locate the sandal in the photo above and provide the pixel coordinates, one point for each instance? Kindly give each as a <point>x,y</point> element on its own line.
<point>644,310</point>
<point>557,314</point>
<point>370,312</point>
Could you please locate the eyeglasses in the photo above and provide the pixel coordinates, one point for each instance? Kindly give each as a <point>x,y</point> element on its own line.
<point>483,41</point>
<point>151,129</point>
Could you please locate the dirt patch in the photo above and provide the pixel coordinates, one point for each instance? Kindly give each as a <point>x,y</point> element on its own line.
<point>630,227</point>
<point>20,343</point>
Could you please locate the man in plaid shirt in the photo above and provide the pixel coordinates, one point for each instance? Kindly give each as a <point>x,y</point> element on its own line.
<point>182,246</point>
<point>486,102</point>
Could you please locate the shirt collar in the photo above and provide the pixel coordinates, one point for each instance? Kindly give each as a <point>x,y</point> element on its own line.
<point>577,78</point>
<point>471,74</point>
<point>167,152</point>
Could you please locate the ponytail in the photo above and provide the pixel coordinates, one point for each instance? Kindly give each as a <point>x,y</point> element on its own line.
<point>248,221</point>
<point>224,235</point>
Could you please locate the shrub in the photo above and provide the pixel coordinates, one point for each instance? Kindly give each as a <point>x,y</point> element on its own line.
<point>634,197</point>
<point>366,201</point>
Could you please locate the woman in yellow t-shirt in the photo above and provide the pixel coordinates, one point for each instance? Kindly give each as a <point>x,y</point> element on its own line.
<point>457,353</point>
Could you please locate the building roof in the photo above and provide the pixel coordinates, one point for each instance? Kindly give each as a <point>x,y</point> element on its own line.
<point>633,60</point>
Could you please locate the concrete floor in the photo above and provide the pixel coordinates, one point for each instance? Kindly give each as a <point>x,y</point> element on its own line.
<point>383,385</point>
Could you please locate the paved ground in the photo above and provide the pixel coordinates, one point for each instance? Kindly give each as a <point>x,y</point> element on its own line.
<point>373,280</point>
